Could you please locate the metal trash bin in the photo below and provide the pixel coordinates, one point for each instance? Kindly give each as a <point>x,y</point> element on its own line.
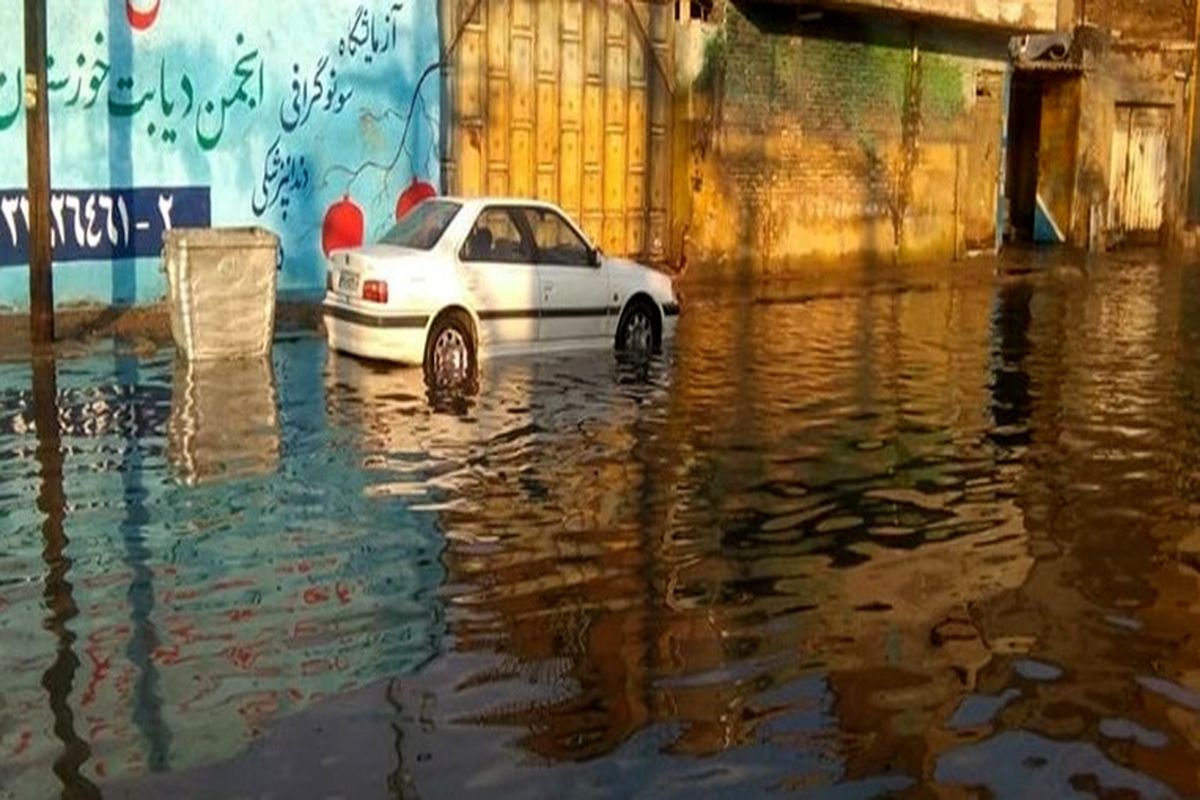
<point>221,289</point>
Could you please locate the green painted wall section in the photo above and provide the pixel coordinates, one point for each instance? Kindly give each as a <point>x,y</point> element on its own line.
<point>860,78</point>
<point>941,87</point>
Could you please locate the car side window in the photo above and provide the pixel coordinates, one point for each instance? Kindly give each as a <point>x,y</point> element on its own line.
<point>497,237</point>
<point>557,242</point>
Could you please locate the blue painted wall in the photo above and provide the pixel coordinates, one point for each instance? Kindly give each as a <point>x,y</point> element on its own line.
<point>234,112</point>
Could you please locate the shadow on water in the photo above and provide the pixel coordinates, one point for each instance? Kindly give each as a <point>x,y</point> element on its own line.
<point>140,596</point>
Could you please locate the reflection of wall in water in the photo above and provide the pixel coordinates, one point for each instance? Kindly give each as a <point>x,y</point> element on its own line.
<point>1106,442</point>
<point>260,595</point>
<point>637,559</point>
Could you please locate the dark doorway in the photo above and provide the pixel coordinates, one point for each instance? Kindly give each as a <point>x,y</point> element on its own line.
<point>1024,134</point>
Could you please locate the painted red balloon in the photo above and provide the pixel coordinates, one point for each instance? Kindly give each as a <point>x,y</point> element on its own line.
<point>343,226</point>
<point>141,20</point>
<point>412,196</point>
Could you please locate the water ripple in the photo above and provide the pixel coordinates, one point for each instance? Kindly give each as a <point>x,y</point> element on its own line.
<point>899,540</point>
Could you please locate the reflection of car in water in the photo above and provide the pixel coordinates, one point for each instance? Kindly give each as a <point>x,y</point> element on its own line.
<point>455,279</point>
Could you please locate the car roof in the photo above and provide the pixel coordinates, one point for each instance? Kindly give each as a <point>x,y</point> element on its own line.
<point>481,202</point>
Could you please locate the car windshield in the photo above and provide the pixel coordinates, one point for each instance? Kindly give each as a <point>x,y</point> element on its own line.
<point>421,228</point>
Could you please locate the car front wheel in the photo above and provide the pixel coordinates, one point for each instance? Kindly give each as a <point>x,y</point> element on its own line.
<point>637,330</point>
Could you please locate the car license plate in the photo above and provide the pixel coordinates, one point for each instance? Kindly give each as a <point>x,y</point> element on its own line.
<point>347,282</point>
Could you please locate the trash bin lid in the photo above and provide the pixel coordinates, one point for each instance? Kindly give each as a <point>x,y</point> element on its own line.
<point>222,238</point>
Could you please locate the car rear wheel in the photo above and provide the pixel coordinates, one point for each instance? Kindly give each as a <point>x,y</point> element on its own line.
<point>450,358</point>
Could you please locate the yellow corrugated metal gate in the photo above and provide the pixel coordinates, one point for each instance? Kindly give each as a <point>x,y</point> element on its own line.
<point>1138,179</point>
<point>567,101</point>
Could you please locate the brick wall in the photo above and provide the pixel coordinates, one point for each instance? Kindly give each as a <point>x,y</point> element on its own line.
<point>826,141</point>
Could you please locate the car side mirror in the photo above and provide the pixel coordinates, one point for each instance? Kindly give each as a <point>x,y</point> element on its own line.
<point>593,256</point>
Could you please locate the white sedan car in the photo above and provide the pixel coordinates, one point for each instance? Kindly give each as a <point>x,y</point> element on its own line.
<point>458,279</point>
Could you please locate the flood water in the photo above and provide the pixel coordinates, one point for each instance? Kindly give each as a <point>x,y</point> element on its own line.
<point>927,538</point>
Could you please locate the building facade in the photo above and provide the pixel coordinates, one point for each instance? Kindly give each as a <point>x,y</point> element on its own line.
<point>743,137</point>
<point>890,131</point>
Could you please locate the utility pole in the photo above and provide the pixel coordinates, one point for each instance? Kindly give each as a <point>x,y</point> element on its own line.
<point>37,150</point>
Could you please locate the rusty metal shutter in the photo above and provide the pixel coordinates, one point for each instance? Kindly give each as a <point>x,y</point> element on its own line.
<point>1139,171</point>
<point>566,101</point>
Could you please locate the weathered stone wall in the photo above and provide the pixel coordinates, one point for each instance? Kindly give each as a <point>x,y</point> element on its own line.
<point>1154,20</point>
<point>1145,65</point>
<point>854,137</point>
<point>1125,73</point>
